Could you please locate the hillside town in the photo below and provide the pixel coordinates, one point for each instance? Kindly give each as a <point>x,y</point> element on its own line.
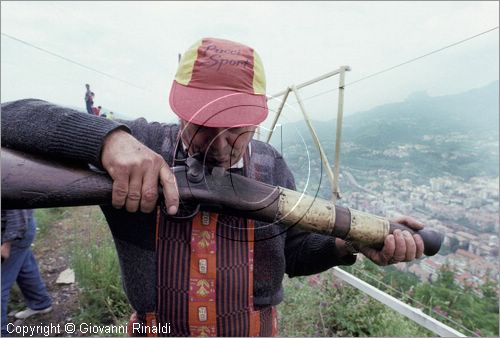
<point>466,212</point>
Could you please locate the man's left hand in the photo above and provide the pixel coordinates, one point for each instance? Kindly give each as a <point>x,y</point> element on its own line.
<point>401,246</point>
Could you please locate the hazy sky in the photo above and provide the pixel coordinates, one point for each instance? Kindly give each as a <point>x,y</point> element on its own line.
<point>139,42</point>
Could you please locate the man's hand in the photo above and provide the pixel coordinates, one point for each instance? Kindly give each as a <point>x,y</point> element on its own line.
<point>136,170</point>
<point>401,246</point>
<point>5,251</point>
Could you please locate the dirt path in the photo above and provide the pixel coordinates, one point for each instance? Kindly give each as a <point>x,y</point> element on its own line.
<point>52,253</point>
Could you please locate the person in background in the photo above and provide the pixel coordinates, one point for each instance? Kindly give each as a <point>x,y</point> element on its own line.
<point>96,111</point>
<point>19,264</point>
<point>89,99</point>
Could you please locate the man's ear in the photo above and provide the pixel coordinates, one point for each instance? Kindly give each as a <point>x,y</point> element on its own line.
<point>183,124</point>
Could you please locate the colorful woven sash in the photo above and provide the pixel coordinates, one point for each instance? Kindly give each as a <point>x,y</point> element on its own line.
<point>205,278</point>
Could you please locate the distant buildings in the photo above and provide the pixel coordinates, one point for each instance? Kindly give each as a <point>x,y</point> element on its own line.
<point>465,211</point>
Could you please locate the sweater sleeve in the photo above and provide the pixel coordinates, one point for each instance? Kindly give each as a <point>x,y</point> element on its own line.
<point>14,225</point>
<point>41,127</point>
<point>307,253</point>
<point>159,137</point>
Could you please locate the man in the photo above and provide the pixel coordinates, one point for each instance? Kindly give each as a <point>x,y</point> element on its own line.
<point>213,274</point>
<point>19,265</point>
<point>89,99</point>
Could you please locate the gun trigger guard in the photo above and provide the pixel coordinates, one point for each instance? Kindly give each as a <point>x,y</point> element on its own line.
<point>179,218</point>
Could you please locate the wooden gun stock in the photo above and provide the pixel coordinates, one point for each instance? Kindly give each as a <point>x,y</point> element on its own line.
<point>29,182</point>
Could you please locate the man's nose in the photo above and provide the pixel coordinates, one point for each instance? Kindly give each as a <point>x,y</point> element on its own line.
<point>220,142</point>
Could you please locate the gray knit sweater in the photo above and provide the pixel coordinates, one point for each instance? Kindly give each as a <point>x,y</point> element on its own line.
<point>41,127</point>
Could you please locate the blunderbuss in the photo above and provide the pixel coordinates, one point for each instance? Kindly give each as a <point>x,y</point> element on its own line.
<point>30,181</point>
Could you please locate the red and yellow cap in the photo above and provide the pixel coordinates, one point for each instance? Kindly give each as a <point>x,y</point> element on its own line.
<point>220,83</point>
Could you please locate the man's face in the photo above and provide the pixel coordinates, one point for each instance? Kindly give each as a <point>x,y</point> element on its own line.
<point>221,147</point>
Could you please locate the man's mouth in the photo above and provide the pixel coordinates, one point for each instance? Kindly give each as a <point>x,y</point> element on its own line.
<point>218,159</point>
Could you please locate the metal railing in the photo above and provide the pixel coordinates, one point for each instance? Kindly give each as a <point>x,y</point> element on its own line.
<point>406,310</point>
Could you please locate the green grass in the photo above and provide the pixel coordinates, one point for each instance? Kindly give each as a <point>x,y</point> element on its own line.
<point>102,298</point>
<point>332,308</point>
<point>95,262</point>
<point>45,218</point>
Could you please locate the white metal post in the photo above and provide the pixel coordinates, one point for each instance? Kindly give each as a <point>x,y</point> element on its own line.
<point>315,137</point>
<point>340,115</point>
<point>280,109</point>
<point>310,82</point>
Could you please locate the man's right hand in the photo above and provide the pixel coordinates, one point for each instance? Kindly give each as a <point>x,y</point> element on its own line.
<point>136,170</point>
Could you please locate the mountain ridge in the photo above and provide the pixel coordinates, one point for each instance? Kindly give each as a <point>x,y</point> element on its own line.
<point>435,136</point>
<point>407,121</point>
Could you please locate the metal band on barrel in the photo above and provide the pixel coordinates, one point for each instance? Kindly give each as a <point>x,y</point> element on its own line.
<point>307,212</point>
<point>367,228</point>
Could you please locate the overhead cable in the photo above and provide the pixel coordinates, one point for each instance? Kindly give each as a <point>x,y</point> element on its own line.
<point>403,63</point>
<point>71,61</point>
